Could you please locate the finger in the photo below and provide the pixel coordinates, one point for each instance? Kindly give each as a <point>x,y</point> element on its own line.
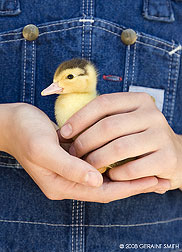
<point>102,106</point>
<point>52,157</point>
<point>162,186</point>
<point>62,139</point>
<point>108,129</point>
<point>56,187</point>
<point>111,191</point>
<point>150,165</point>
<point>123,148</point>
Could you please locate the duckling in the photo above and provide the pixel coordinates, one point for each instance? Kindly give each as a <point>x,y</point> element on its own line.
<point>75,80</point>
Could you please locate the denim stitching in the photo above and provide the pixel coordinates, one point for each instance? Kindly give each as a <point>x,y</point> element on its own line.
<point>168,5</point>
<point>79,27</point>
<point>9,164</point>
<point>33,61</point>
<point>10,34</point>
<point>105,22</point>
<point>7,41</point>
<point>94,225</point>
<point>62,22</point>
<point>178,48</point>
<point>115,26</point>
<point>77,224</point>
<point>101,21</point>
<point>61,30</point>
<point>7,11</point>
<point>81,227</point>
<point>147,8</point>
<point>127,69</point>
<point>101,28</point>
<point>159,41</point>
<point>174,92</point>
<point>90,43</point>
<point>155,47</point>
<point>24,70</point>
<point>86,20</point>
<point>90,33</point>
<point>91,8</point>
<point>133,70</point>
<point>168,85</point>
<point>66,22</point>
<point>83,40</point>
<point>87,9</point>
<point>83,7</point>
<point>72,230</point>
<point>7,157</point>
<point>139,35</point>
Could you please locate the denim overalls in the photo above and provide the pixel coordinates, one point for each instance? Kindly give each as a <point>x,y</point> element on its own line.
<point>29,222</point>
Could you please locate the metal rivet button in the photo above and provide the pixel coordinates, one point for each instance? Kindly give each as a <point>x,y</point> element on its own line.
<point>128,36</point>
<point>30,32</point>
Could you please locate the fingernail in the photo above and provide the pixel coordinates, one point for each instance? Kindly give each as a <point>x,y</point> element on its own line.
<point>66,130</point>
<point>92,179</point>
<point>72,151</point>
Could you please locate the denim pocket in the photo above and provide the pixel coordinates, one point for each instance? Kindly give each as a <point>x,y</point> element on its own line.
<point>150,63</point>
<point>9,7</point>
<point>160,10</point>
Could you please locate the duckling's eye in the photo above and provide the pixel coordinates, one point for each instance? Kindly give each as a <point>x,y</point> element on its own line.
<point>70,76</point>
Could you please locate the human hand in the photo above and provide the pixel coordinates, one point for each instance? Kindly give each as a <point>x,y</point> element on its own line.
<point>124,125</point>
<point>32,139</point>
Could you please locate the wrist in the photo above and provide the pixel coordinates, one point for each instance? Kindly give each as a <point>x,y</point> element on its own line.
<point>6,114</point>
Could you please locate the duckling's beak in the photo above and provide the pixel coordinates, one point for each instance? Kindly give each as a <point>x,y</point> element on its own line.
<point>52,89</point>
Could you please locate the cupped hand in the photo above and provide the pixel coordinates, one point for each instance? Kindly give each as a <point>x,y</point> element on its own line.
<point>32,139</point>
<point>124,125</point>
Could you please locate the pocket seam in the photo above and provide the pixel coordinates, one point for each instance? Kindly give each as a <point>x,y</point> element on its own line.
<point>13,11</point>
<point>170,18</point>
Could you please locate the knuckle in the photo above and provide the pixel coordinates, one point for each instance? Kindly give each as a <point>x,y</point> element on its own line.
<point>102,100</point>
<point>106,125</point>
<point>145,97</point>
<point>120,146</point>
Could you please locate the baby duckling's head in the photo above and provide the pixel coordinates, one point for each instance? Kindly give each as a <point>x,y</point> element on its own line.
<point>73,76</point>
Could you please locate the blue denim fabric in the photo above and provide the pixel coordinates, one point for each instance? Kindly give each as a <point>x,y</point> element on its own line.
<point>30,222</point>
